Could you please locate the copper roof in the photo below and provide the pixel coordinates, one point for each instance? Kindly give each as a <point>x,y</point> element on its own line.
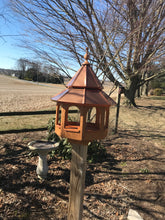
<point>84,88</point>
<point>85,78</point>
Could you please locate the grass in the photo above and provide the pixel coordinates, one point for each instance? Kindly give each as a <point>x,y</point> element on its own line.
<point>22,96</point>
<point>157,97</point>
<point>148,123</point>
<point>123,164</point>
<point>27,121</point>
<point>24,122</point>
<point>144,170</point>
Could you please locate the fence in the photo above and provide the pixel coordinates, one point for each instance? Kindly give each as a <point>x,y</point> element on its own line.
<point>2,114</point>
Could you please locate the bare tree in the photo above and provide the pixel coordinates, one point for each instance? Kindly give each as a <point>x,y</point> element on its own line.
<point>2,18</point>
<point>124,36</point>
<point>5,19</point>
<point>22,65</point>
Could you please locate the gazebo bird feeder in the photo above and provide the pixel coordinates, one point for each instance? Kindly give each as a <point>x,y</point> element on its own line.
<point>84,91</point>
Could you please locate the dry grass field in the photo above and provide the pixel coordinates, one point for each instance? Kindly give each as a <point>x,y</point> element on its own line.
<point>132,175</point>
<point>19,95</point>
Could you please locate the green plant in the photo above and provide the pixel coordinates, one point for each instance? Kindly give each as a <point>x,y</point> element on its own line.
<point>123,164</point>
<point>64,150</point>
<point>144,170</point>
<point>52,136</point>
<point>158,91</point>
<point>96,152</point>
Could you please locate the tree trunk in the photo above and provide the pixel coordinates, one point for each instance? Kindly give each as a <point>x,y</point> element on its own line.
<point>118,108</point>
<point>147,86</point>
<point>144,89</point>
<point>138,92</point>
<point>130,90</point>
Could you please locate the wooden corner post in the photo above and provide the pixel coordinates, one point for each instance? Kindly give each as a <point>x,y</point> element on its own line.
<point>77,180</point>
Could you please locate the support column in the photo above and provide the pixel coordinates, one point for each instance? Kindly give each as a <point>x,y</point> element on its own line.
<point>118,108</point>
<point>42,166</point>
<point>77,181</point>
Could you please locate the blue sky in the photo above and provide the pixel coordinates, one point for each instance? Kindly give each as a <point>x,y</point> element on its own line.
<point>12,31</point>
<point>10,35</point>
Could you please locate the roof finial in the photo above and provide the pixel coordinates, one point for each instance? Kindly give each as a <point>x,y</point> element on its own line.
<point>86,56</point>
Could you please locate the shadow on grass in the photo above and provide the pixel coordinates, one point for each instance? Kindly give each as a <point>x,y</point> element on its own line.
<point>138,134</point>
<point>151,107</point>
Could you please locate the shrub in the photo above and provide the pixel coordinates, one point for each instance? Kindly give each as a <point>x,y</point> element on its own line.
<point>96,151</point>
<point>64,150</point>
<point>52,136</point>
<point>158,91</point>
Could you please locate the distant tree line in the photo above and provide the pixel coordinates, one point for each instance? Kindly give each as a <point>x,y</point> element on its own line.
<point>9,72</point>
<point>37,72</point>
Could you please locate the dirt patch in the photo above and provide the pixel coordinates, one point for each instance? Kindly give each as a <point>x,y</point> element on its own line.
<point>132,176</point>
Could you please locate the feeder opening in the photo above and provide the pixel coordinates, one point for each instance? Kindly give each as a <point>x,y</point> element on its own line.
<point>73,119</point>
<point>92,121</point>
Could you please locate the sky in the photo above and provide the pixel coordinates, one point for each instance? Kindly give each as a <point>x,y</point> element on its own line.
<point>10,36</point>
<point>12,31</point>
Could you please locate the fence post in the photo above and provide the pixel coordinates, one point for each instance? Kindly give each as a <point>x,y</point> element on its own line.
<point>120,91</point>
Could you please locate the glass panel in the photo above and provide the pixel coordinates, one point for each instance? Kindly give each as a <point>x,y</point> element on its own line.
<point>92,119</point>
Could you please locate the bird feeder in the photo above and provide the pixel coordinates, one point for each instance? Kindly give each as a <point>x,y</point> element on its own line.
<point>85,92</point>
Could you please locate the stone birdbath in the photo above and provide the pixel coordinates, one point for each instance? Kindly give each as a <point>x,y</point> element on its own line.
<point>42,148</point>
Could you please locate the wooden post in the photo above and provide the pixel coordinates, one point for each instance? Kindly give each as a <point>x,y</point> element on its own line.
<point>77,181</point>
<point>118,108</point>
